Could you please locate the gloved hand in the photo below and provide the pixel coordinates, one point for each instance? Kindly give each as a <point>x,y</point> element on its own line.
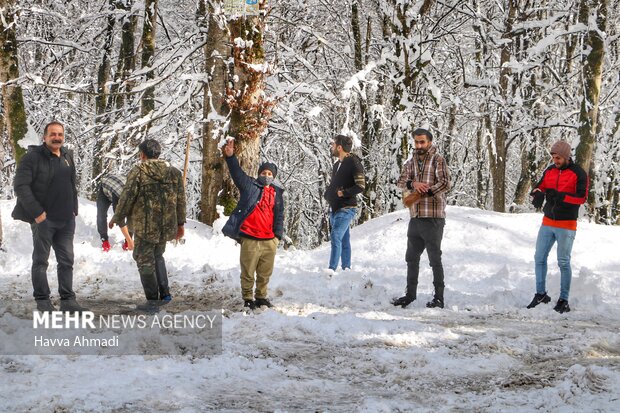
<point>551,195</point>
<point>538,197</point>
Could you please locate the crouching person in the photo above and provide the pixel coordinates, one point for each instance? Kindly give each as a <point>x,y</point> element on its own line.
<point>257,224</point>
<point>108,194</point>
<point>153,203</point>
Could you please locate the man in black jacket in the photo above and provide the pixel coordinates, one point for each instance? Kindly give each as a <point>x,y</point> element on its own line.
<point>47,199</point>
<point>347,181</point>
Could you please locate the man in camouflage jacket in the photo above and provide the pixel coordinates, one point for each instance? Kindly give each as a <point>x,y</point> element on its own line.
<point>153,203</point>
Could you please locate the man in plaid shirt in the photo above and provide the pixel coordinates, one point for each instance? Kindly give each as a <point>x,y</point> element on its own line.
<point>109,193</point>
<point>424,181</point>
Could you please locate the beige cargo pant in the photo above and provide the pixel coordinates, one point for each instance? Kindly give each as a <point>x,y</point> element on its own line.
<point>257,256</point>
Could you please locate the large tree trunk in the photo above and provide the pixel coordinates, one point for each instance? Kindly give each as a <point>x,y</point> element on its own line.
<point>119,92</point>
<point>497,148</point>
<point>215,110</point>
<point>101,101</point>
<point>592,74</point>
<point>250,110</point>
<point>148,55</point>
<point>13,99</point>
<point>369,194</point>
<point>235,95</point>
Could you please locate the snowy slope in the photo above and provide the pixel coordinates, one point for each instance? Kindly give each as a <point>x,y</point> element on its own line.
<point>334,343</point>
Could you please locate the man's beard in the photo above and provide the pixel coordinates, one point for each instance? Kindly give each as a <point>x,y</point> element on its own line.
<point>421,151</point>
<point>334,153</point>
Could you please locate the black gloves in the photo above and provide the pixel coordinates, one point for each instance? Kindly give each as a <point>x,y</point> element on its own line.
<point>552,195</point>
<point>538,198</point>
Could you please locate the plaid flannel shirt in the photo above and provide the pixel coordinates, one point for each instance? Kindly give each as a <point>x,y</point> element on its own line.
<point>112,186</point>
<point>434,173</point>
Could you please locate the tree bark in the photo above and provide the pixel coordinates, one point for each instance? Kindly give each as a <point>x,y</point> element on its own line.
<point>235,95</point>
<point>497,148</point>
<point>101,101</point>
<point>368,138</point>
<point>13,98</point>
<point>126,56</point>
<point>215,110</point>
<point>592,74</point>
<point>148,55</point>
<point>119,92</point>
<point>250,109</point>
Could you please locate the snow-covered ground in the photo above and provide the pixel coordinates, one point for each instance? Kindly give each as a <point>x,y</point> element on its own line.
<point>335,343</point>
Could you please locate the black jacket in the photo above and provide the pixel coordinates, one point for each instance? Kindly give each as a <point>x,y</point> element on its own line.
<point>33,177</point>
<point>251,192</point>
<point>347,176</point>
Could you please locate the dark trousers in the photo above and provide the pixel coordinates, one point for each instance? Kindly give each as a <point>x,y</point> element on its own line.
<point>424,233</point>
<point>103,204</point>
<point>58,235</point>
<point>152,268</point>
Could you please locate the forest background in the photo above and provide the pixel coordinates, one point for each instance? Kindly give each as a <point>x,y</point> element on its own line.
<point>497,82</point>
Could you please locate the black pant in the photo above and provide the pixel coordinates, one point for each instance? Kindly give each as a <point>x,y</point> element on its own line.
<point>59,235</point>
<point>424,233</point>
<point>103,204</point>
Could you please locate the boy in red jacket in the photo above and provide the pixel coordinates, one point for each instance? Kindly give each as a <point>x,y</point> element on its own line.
<point>257,223</point>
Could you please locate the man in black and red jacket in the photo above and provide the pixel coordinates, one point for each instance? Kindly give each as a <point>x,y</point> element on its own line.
<point>564,187</point>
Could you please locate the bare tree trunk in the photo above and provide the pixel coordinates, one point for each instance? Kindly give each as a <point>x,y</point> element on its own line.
<point>481,190</point>
<point>244,105</point>
<point>119,92</point>
<point>101,101</point>
<point>250,110</point>
<point>126,56</point>
<point>481,165</point>
<point>523,185</point>
<point>148,55</point>
<point>215,110</point>
<point>592,74</point>
<point>497,148</point>
<point>13,98</point>
<point>368,138</point>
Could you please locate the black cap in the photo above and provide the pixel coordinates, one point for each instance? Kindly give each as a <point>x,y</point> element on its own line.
<point>268,165</point>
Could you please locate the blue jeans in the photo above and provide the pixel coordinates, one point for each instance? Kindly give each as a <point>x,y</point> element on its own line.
<point>341,241</point>
<point>547,236</point>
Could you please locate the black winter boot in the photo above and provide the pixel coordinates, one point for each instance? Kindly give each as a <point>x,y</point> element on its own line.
<point>262,302</point>
<point>72,306</point>
<point>403,301</point>
<point>45,306</point>
<point>435,303</point>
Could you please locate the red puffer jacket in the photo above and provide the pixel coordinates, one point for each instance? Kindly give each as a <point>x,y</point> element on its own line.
<point>571,182</point>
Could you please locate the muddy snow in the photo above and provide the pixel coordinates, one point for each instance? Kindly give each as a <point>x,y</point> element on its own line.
<point>334,342</point>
